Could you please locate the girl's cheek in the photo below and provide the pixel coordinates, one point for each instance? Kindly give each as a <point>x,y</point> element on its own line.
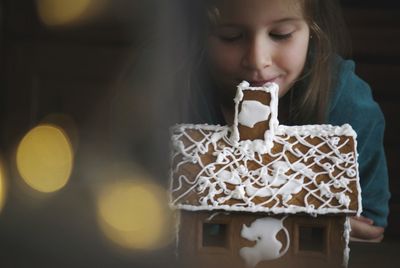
<point>295,55</point>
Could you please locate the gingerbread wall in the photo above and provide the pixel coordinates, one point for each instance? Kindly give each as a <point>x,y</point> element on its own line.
<point>313,241</point>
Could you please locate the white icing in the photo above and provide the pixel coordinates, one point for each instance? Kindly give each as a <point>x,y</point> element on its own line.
<point>229,177</point>
<point>264,231</point>
<point>253,112</point>
<point>346,236</point>
<point>317,130</point>
<point>243,85</point>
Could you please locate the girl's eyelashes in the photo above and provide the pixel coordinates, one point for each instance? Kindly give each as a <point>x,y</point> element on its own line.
<point>229,35</point>
<point>237,37</point>
<point>281,36</point>
<point>230,38</point>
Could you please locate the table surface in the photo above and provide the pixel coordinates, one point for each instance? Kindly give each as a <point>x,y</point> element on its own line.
<point>382,255</point>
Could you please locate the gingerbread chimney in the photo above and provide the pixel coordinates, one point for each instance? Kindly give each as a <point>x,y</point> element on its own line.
<point>256,116</point>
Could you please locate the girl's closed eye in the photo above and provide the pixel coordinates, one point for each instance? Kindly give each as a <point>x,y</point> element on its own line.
<point>283,32</point>
<point>281,36</point>
<point>229,34</point>
<point>230,38</point>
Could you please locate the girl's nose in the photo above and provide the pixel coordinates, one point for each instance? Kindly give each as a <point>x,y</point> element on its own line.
<point>258,54</point>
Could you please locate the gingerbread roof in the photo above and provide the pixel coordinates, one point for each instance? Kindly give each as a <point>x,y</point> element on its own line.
<point>258,165</point>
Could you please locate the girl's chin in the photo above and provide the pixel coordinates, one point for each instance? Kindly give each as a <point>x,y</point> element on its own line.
<point>283,91</point>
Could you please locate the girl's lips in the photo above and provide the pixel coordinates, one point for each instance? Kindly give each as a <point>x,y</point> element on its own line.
<point>260,83</point>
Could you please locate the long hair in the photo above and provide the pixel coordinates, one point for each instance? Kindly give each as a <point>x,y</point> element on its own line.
<point>328,40</point>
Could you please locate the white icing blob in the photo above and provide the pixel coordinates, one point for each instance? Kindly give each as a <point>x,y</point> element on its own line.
<point>229,177</point>
<point>261,192</point>
<point>293,186</point>
<point>268,247</point>
<point>343,199</point>
<point>325,190</point>
<point>278,174</point>
<point>253,112</point>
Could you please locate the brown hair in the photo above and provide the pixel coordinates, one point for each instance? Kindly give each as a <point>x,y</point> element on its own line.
<point>328,40</point>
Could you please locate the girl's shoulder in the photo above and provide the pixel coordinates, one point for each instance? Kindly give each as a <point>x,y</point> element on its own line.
<point>351,97</point>
<point>349,88</point>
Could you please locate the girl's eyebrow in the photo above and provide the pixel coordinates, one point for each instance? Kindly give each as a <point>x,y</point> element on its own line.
<point>287,20</point>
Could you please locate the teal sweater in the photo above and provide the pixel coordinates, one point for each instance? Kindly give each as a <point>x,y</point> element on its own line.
<point>352,103</point>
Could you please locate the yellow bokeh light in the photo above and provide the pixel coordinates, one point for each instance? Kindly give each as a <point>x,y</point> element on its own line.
<point>61,12</point>
<point>45,158</point>
<point>2,188</point>
<point>67,123</point>
<point>134,215</point>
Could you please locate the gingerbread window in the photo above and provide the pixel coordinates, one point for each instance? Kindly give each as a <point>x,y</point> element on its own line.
<point>215,235</point>
<point>312,238</point>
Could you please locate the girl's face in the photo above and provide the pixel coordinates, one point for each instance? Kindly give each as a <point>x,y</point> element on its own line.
<point>258,41</point>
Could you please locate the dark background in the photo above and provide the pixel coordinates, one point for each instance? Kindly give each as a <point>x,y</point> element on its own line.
<point>77,70</point>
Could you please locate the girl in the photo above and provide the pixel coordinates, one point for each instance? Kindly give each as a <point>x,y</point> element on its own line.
<point>296,44</point>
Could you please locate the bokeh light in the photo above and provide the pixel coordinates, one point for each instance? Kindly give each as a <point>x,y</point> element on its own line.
<point>45,158</point>
<point>68,125</point>
<point>2,187</point>
<point>135,215</point>
<point>62,12</point>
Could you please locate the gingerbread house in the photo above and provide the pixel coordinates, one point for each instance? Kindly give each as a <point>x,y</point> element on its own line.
<point>260,194</point>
